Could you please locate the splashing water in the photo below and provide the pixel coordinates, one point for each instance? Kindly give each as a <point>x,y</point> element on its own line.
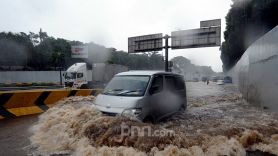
<point>212,125</point>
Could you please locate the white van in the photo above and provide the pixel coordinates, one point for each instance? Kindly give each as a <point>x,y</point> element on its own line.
<point>148,95</point>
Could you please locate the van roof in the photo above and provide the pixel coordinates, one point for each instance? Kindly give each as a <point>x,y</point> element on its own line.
<point>145,72</point>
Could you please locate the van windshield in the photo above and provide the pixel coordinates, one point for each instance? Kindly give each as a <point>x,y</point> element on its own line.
<point>127,86</point>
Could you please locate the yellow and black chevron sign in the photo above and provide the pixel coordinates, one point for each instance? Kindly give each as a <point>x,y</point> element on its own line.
<point>18,103</point>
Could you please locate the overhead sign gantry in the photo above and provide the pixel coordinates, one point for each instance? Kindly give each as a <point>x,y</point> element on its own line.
<point>208,35</point>
<point>145,43</point>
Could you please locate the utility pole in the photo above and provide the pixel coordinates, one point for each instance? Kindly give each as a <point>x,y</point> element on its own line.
<point>61,80</point>
<point>166,37</point>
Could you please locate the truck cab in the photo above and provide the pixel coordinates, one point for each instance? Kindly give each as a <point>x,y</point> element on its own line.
<point>76,76</point>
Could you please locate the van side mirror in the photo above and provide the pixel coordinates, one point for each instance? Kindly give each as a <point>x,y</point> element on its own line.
<point>154,89</point>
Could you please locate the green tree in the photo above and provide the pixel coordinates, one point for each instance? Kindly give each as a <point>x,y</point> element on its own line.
<point>147,61</point>
<point>34,38</point>
<point>246,21</point>
<point>58,59</point>
<point>15,49</point>
<point>42,35</point>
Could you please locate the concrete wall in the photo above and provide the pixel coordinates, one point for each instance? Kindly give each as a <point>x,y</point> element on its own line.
<point>101,73</point>
<point>256,73</point>
<point>29,76</point>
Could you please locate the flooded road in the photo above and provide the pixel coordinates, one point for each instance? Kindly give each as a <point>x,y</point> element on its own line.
<point>201,89</point>
<point>217,122</point>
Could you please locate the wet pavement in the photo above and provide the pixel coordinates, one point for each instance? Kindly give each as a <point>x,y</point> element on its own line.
<point>201,89</point>
<point>14,135</point>
<point>218,122</point>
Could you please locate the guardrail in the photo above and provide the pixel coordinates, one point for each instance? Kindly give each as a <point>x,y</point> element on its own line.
<point>19,103</point>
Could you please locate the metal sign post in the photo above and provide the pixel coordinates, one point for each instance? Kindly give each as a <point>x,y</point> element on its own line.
<point>166,37</point>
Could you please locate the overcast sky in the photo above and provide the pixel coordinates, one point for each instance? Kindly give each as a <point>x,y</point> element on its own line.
<point>111,22</point>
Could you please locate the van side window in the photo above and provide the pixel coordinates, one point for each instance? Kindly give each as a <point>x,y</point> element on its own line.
<point>170,82</point>
<point>157,84</point>
<point>174,82</point>
<point>79,75</point>
<point>180,83</point>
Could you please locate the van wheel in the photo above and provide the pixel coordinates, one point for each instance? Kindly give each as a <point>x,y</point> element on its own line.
<point>182,108</point>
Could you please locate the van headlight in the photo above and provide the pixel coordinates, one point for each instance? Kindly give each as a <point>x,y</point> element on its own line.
<point>131,112</point>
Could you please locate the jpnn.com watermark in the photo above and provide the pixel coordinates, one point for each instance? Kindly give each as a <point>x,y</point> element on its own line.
<point>142,131</point>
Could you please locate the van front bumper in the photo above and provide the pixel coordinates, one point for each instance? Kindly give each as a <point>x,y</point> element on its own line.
<point>113,110</point>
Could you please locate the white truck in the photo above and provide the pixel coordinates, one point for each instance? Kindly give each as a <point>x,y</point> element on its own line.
<point>78,76</point>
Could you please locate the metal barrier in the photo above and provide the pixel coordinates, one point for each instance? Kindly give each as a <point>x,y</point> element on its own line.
<point>19,103</point>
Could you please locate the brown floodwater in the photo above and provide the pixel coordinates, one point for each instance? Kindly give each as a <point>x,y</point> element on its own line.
<point>218,124</point>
